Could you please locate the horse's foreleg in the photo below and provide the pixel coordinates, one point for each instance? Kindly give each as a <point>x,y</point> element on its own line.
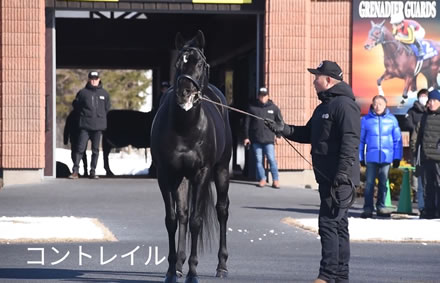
<point>182,214</point>
<point>385,76</point>
<point>221,178</point>
<point>171,225</point>
<point>200,194</point>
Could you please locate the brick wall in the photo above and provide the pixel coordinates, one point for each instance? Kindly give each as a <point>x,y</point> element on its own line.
<point>298,35</point>
<point>22,84</point>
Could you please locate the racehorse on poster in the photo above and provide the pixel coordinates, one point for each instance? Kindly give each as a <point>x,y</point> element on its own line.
<point>191,146</point>
<point>401,62</point>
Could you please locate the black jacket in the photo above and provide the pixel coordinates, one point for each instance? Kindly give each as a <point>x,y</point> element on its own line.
<point>427,137</point>
<point>93,103</point>
<point>413,116</point>
<point>334,132</point>
<point>255,129</point>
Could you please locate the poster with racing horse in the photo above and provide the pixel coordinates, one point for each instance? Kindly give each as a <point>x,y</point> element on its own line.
<point>395,51</point>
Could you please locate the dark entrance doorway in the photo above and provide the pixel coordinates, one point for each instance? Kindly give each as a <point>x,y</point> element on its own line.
<point>233,50</point>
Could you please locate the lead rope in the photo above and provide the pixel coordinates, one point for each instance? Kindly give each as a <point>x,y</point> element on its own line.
<point>332,189</point>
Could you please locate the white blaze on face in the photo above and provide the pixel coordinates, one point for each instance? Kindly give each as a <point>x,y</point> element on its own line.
<point>185,58</point>
<point>188,104</point>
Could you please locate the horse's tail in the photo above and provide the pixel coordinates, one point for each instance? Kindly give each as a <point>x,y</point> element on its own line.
<point>209,226</point>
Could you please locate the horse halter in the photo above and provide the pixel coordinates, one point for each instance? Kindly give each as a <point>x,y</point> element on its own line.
<point>198,84</point>
<point>378,40</point>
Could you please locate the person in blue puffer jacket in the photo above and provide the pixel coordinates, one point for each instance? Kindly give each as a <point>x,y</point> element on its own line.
<point>380,134</point>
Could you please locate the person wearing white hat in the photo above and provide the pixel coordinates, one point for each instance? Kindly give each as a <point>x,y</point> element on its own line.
<point>408,31</point>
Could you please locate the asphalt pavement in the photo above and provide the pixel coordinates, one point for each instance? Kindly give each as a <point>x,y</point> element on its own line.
<point>262,247</point>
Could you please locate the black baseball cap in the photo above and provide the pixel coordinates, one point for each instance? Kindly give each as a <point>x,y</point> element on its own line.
<point>93,74</point>
<point>262,91</point>
<point>165,84</point>
<point>328,68</point>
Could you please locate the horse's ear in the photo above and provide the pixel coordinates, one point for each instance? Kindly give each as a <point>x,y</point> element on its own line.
<point>372,24</point>
<point>179,41</point>
<point>200,39</point>
<point>382,23</point>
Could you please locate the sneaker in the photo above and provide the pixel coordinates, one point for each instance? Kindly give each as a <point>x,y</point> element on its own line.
<point>425,215</point>
<point>262,183</point>
<point>366,214</point>
<point>276,184</point>
<point>93,175</point>
<point>74,175</point>
<point>383,212</point>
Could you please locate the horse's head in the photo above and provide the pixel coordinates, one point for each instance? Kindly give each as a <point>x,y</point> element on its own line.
<point>192,71</point>
<point>375,35</point>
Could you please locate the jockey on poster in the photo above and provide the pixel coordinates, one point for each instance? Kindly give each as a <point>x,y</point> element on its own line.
<point>408,32</point>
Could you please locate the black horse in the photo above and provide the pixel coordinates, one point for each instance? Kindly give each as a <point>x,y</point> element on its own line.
<point>124,128</point>
<point>191,145</point>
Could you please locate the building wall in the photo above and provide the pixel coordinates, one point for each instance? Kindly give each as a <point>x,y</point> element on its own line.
<point>22,91</point>
<point>298,35</point>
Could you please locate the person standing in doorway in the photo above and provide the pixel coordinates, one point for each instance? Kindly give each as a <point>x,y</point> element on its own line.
<point>71,132</point>
<point>334,133</point>
<point>261,138</point>
<point>93,103</point>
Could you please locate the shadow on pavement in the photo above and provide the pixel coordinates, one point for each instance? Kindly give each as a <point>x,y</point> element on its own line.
<point>299,210</point>
<point>78,275</point>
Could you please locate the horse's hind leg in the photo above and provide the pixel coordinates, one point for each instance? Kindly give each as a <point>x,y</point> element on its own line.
<point>106,148</point>
<point>221,178</point>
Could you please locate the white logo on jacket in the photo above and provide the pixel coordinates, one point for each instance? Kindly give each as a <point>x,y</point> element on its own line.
<point>270,111</point>
<point>101,97</point>
<point>325,116</point>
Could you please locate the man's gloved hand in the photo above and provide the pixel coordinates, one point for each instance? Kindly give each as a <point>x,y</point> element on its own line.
<point>277,128</point>
<point>363,163</point>
<point>341,179</point>
<point>396,163</point>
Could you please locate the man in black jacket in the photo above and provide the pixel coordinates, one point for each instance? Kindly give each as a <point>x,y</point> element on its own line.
<point>261,138</point>
<point>427,142</point>
<point>93,103</point>
<point>412,118</point>
<point>334,132</point>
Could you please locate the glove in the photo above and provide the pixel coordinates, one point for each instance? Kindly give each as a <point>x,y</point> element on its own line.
<point>341,179</point>
<point>396,163</point>
<point>363,163</point>
<point>278,128</point>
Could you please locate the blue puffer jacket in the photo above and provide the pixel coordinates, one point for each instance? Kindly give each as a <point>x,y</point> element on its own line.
<point>381,134</point>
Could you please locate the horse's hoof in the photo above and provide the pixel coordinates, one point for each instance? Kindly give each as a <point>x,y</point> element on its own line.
<point>179,274</point>
<point>221,273</point>
<point>192,279</point>
<point>171,279</point>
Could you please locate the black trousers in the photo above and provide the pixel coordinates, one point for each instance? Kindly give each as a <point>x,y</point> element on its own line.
<point>431,184</point>
<point>335,238</point>
<point>83,138</point>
